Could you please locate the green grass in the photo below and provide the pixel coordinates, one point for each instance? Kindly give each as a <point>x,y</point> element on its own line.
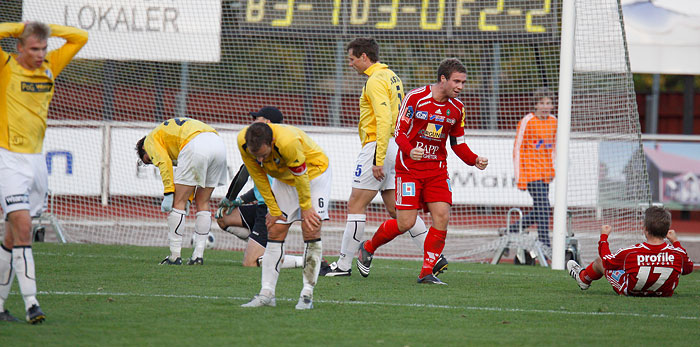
<point>118,295</point>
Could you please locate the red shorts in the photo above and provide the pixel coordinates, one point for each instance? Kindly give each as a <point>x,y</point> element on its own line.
<point>618,280</point>
<point>413,192</point>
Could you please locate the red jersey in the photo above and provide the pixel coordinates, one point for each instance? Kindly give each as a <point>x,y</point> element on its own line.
<point>424,122</point>
<point>649,270</point>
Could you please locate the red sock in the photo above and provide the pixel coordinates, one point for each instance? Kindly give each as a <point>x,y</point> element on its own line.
<point>434,244</point>
<point>589,275</point>
<point>388,231</point>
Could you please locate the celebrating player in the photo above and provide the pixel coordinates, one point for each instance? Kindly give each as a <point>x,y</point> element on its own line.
<point>300,191</point>
<point>650,268</point>
<point>236,212</point>
<point>26,89</point>
<point>201,162</point>
<point>427,117</point>
<point>533,160</point>
<point>374,168</point>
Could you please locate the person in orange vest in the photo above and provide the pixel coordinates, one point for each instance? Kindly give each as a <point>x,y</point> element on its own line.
<point>533,162</point>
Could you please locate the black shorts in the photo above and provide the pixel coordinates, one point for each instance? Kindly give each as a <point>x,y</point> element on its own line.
<point>253,217</point>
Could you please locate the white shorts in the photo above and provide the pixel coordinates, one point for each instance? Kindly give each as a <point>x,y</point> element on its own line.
<point>24,182</point>
<point>202,162</point>
<point>288,199</point>
<point>363,178</point>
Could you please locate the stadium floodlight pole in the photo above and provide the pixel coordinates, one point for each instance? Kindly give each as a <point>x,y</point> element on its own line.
<point>566,71</point>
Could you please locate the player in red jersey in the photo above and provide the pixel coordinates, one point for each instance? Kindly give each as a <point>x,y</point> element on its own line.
<point>428,116</point>
<point>651,268</point>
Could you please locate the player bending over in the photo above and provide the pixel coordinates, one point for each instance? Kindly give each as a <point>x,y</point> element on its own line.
<point>26,89</point>
<point>244,216</point>
<point>201,162</point>
<point>300,191</point>
<point>650,268</point>
<point>428,116</point>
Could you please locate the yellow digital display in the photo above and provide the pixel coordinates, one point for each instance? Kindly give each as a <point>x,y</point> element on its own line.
<point>453,17</point>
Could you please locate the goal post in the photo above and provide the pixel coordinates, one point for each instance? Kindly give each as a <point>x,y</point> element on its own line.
<point>218,60</point>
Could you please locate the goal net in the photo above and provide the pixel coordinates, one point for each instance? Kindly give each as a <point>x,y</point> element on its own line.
<point>216,61</point>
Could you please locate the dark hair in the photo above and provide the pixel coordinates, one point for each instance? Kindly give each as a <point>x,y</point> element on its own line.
<point>257,135</point>
<point>364,45</point>
<point>541,93</point>
<point>449,66</point>
<point>38,29</point>
<point>657,221</point>
<point>139,148</point>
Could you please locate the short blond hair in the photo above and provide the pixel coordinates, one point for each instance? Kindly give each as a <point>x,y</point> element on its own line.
<point>38,29</point>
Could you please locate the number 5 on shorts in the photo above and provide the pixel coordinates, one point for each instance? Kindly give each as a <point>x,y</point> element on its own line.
<point>358,170</point>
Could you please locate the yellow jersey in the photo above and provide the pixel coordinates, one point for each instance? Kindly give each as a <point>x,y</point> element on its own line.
<point>164,143</point>
<point>295,159</point>
<point>379,107</point>
<point>25,94</point>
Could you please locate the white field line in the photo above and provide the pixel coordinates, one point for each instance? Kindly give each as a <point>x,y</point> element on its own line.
<point>416,269</point>
<point>377,303</point>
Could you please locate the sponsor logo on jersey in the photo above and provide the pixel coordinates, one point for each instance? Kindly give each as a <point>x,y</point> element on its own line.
<point>617,274</point>
<point>437,118</point>
<point>422,115</point>
<point>409,112</point>
<point>451,120</point>
<point>433,131</point>
<point>408,189</point>
<point>17,199</point>
<point>31,87</point>
<point>438,111</point>
<point>655,259</point>
<point>541,143</point>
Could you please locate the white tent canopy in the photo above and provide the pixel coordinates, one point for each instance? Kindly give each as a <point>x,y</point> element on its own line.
<point>663,36</point>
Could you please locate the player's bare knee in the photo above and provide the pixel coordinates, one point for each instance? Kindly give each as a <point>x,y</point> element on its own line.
<point>405,225</point>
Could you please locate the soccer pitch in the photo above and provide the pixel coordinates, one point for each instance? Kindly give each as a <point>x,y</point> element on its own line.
<point>119,295</point>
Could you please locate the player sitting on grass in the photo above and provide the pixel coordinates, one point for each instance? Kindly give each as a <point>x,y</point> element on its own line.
<point>650,268</point>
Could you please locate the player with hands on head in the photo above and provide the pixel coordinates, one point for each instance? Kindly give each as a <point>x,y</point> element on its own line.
<point>244,215</point>
<point>201,166</point>
<point>429,116</point>
<point>27,81</point>
<point>374,169</point>
<point>651,268</point>
<point>300,190</point>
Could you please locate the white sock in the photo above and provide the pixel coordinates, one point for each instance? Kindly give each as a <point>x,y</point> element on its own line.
<point>312,264</point>
<point>418,233</point>
<point>352,236</point>
<point>23,262</point>
<point>176,222</point>
<point>292,261</point>
<point>202,224</point>
<point>274,252</point>
<point>7,274</point>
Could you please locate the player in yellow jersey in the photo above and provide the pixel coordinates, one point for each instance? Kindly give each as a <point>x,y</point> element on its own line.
<point>374,169</point>
<point>300,191</point>
<point>201,167</point>
<point>26,88</point>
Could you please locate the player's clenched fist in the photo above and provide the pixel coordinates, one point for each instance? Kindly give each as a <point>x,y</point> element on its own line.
<point>481,162</point>
<point>605,230</point>
<point>417,153</point>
